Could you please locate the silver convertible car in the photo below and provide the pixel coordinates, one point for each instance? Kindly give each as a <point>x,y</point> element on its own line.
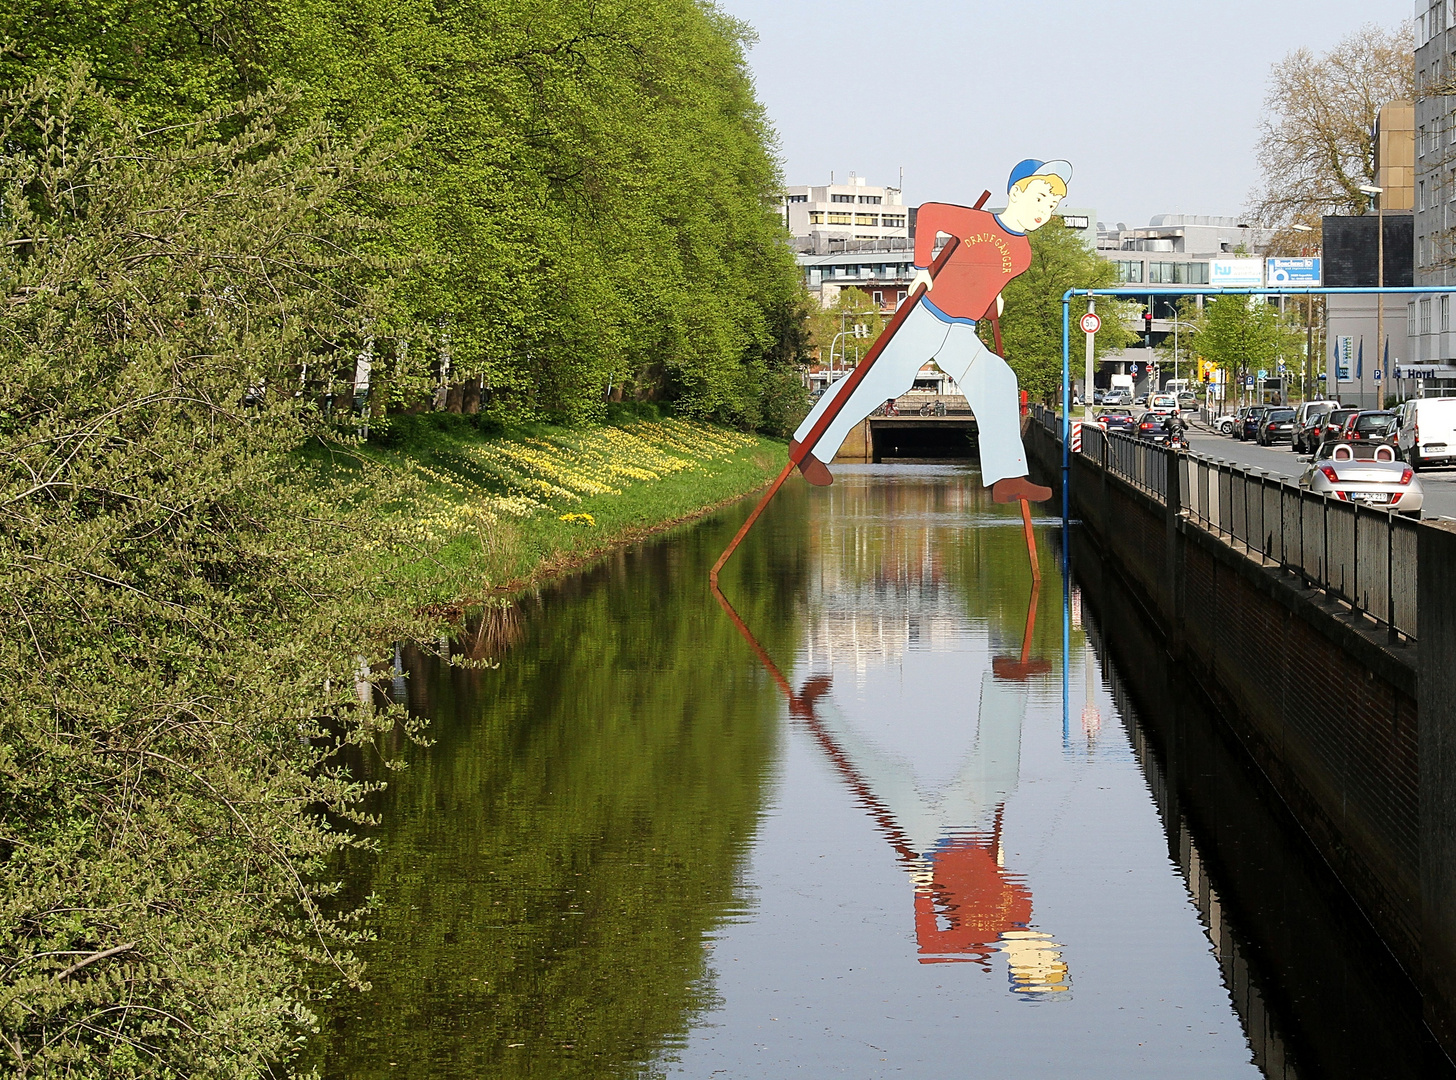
<point>1364,474</point>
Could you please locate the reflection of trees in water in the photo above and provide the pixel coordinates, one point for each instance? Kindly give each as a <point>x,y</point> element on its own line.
<point>490,631</point>
<point>551,866</point>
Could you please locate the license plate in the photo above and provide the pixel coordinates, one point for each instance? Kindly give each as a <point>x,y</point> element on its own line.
<point>1370,496</point>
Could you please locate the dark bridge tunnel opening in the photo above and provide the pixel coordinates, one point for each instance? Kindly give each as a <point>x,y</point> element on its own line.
<point>938,442</point>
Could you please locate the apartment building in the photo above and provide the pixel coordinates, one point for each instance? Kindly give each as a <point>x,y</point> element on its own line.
<point>1428,323</point>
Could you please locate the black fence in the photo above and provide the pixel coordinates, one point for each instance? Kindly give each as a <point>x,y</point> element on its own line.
<point>1359,554</point>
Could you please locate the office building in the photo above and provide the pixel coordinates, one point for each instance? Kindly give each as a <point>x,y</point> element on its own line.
<point>843,213</point>
<point>1428,319</point>
<point>1353,349</point>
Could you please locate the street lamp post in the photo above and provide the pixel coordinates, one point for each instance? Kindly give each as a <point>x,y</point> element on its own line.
<point>1177,322</point>
<point>1308,326</point>
<point>1378,204</point>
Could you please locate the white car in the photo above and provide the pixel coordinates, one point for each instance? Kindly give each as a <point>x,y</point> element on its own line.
<point>1224,424</point>
<point>1427,433</point>
<point>1163,404</point>
<point>1364,474</point>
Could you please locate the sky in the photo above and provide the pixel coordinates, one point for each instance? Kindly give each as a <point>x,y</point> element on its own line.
<point>1156,104</point>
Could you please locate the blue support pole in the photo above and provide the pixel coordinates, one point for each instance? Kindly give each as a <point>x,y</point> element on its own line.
<point>1067,519</point>
<point>1151,294</point>
<point>1066,417</point>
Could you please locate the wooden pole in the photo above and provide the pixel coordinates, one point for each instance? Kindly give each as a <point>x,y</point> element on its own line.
<point>1030,542</point>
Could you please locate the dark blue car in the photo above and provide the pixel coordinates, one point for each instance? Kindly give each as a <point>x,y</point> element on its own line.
<point>1116,419</point>
<point>1252,418</point>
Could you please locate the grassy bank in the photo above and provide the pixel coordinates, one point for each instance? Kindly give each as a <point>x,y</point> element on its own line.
<point>493,511</point>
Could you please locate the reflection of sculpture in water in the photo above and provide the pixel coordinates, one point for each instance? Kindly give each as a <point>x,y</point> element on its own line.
<point>968,907</point>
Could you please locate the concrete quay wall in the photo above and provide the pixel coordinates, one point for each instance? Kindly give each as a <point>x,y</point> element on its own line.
<point>1327,706</point>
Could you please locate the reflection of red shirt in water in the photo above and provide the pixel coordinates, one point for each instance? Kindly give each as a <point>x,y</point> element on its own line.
<point>988,257</point>
<point>971,893</point>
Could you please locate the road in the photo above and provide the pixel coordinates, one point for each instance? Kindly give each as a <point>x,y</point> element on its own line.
<point>1439,484</point>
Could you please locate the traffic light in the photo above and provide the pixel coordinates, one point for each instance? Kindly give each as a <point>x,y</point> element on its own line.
<point>1147,322</point>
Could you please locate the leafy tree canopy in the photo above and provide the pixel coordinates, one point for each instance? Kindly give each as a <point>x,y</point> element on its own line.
<point>1031,325</point>
<point>589,189</point>
<point>1317,142</point>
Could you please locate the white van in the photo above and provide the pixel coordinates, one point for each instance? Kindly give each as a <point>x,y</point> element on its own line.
<point>1428,432</point>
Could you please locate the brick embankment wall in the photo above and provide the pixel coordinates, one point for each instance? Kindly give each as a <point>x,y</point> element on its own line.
<point>1321,702</point>
<point>1336,997</point>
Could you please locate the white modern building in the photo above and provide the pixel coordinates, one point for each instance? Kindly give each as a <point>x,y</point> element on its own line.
<point>845,212</point>
<point>882,266</point>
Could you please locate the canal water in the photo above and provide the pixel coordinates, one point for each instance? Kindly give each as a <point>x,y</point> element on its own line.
<point>866,816</point>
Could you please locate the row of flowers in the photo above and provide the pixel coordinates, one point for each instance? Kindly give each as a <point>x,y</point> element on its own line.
<point>477,485</point>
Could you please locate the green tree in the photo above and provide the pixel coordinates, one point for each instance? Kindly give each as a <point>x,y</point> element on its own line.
<point>588,198</point>
<point>1031,325</point>
<point>853,306</point>
<point>1242,335</point>
<point>184,592</point>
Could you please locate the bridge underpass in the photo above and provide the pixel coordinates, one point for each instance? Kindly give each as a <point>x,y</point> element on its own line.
<point>910,438</point>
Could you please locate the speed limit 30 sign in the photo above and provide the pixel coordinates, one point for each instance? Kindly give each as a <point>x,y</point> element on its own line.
<point>1091,323</point>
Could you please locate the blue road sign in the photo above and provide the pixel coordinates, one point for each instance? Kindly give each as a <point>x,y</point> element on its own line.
<point>1294,273</point>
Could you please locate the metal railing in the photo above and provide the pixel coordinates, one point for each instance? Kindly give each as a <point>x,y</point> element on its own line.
<point>1355,553</point>
<point>1360,555</point>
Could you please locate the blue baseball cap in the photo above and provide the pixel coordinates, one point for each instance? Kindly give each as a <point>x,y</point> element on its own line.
<point>1032,167</point>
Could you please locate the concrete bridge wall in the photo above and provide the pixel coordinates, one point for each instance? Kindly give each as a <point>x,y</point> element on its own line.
<point>1325,703</point>
<point>874,439</point>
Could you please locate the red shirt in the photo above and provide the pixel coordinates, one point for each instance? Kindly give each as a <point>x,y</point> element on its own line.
<point>976,899</point>
<point>989,256</point>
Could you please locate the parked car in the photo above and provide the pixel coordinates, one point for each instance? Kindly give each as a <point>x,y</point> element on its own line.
<point>1305,418</point>
<point>1428,432</point>
<point>1163,403</point>
<point>1117,419</point>
<point>1253,415</point>
<point>1364,474</point>
<point>1224,424</point>
<point>1329,429</point>
<point>1276,426</point>
<point>1370,426</point>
